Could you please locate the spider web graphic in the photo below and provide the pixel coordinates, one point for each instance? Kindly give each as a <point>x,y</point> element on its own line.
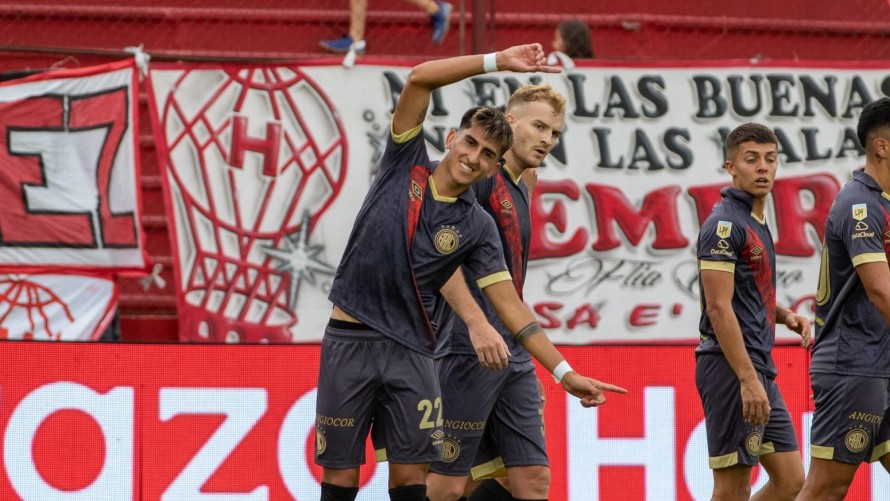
<point>35,299</point>
<point>229,214</point>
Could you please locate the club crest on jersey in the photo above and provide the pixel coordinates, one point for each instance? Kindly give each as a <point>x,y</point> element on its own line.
<point>450,450</point>
<point>724,228</point>
<point>856,440</point>
<point>860,212</point>
<point>752,443</point>
<point>320,442</point>
<point>447,239</point>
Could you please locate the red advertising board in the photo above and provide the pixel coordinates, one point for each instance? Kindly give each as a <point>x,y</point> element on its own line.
<point>192,422</point>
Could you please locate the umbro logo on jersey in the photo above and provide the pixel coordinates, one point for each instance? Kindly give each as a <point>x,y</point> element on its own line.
<point>887,237</point>
<point>507,205</point>
<point>416,191</point>
<point>438,437</point>
<point>756,253</point>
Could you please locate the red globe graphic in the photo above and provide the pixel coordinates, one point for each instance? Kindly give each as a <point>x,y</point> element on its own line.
<point>253,156</point>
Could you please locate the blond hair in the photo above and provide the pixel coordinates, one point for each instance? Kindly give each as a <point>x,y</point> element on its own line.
<point>543,92</point>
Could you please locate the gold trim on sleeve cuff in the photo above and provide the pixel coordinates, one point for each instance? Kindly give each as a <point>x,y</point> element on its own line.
<point>716,265</point>
<point>405,136</point>
<point>870,257</point>
<point>502,276</point>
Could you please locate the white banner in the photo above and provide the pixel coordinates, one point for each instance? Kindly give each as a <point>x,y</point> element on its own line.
<point>616,212</point>
<point>55,307</point>
<point>70,176</point>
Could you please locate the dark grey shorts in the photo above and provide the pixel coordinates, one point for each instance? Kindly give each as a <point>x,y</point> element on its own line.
<point>493,419</point>
<point>368,379</point>
<point>850,423</point>
<point>731,440</point>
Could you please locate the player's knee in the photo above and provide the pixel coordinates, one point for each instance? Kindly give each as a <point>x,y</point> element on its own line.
<point>490,490</point>
<point>531,482</point>
<point>342,478</point>
<point>822,487</point>
<point>539,476</point>
<point>837,492</point>
<point>407,474</point>
<point>330,492</point>
<point>726,491</point>
<point>448,491</point>
<point>791,486</point>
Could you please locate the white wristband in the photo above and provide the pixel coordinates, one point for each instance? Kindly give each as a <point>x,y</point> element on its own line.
<point>561,370</point>
<point>490,62</point>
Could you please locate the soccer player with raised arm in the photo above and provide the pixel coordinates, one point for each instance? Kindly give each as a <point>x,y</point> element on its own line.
<point>504,406</point>
<point>745,415</point>
<point>417,225</point>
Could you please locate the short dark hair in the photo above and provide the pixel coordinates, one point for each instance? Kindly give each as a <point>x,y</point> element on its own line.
<point>493,123</point>
<point>757,133</point>
<point>576,36</point>
<point>875,116</point>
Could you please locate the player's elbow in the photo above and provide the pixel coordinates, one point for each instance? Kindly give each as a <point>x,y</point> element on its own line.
<point>718,312</point>
<point>420,77</point>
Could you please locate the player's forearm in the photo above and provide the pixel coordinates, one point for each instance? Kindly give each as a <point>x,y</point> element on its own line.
<point>729,335</point>
<point>535,341</point>
<point>423,80</point>
<point>431,75</point>
<point>782,314</point>
<point>458,295</point>
<point>523,325</point>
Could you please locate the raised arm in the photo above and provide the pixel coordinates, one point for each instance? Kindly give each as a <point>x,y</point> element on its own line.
<point>522,323</point>
<point>427,77</point>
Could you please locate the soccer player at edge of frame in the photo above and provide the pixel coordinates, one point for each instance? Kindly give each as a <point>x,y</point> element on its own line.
<point>508,453</point>
<point>378,348</point>
<point>850,367</point>
<point>746,419</point>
